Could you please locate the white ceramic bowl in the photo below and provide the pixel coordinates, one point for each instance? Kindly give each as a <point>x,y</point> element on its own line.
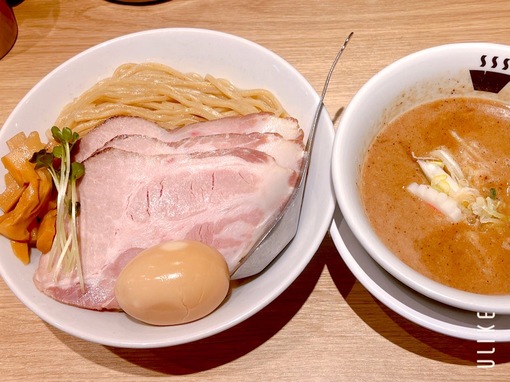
<point>247,65</point>
<point>433,73</point>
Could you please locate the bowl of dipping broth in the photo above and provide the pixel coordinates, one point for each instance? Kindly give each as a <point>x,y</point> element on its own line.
<point>420,168</point>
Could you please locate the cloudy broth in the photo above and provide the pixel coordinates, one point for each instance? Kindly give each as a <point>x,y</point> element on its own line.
<point>468,255</point>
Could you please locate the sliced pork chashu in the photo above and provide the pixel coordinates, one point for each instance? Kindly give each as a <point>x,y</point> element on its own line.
<point>252,123</point>
<point>133,199</point>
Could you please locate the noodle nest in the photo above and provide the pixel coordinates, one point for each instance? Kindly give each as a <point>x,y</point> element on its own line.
<point>163,95</point>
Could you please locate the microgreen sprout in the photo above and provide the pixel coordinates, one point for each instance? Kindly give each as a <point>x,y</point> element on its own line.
<point>64,255</point>
<point>492,194</point>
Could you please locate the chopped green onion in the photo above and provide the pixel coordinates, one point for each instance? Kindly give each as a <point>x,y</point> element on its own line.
<point>448,186</point>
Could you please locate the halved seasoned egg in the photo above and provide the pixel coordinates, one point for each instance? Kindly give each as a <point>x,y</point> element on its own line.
<point>173,283</point>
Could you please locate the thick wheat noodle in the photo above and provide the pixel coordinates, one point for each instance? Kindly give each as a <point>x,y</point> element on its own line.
<point>164,95</point>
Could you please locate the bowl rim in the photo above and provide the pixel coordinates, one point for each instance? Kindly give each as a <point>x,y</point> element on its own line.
<point>358,222</point>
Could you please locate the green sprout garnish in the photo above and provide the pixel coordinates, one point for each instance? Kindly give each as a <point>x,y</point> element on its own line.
<point>64,255</point>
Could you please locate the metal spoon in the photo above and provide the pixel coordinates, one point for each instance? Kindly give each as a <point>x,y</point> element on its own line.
<point>284,228</point>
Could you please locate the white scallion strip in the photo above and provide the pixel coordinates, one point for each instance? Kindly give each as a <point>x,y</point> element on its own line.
<point>472,149</point>
<point>453,167</point>
<point>438,178</point>
<point>439,200</point>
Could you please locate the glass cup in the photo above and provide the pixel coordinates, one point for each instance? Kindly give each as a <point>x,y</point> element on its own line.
<point>8,28</point>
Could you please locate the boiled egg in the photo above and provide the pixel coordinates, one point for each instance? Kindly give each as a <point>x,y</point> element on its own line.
<point>173,283</point>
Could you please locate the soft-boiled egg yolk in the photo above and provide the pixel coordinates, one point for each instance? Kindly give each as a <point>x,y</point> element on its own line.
<point>173,283</point>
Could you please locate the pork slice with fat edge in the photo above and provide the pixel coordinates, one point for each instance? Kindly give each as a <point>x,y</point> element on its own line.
<point>131,201</point>
<point>252,123</point>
